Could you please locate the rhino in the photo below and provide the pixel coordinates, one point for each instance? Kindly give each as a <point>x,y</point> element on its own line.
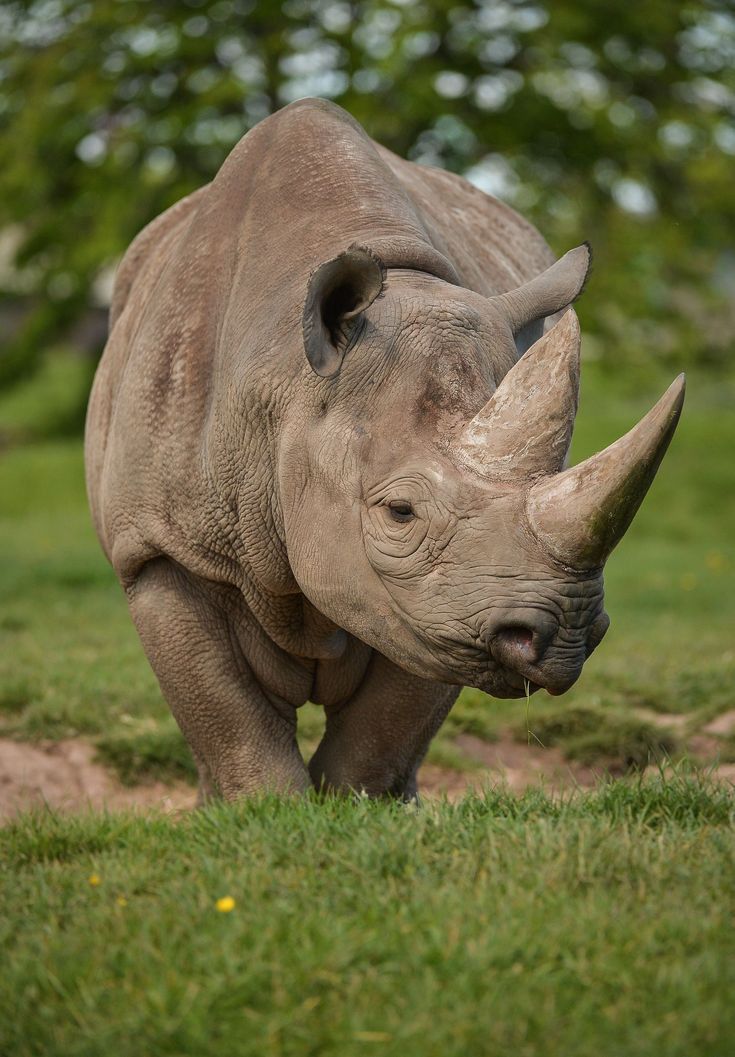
<point>326,456</point>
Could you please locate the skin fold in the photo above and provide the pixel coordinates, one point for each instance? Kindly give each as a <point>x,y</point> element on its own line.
<point>325,456</point>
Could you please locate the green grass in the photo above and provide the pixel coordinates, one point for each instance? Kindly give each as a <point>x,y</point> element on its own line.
<point>599,924</point>
<point>50,403</point>
<point>71,664</point>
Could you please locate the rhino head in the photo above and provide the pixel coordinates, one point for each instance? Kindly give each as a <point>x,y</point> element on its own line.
<point>427,505</point>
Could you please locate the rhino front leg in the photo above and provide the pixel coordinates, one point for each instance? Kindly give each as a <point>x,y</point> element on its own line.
<point>243,740</point>
<point>377,739</point>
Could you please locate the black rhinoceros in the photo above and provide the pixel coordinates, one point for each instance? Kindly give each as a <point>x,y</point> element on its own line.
<point>325,457</point>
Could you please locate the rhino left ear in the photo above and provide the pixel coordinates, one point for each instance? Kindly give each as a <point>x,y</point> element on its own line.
<point>339,291</point>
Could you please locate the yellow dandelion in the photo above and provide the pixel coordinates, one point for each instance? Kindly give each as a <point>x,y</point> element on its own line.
<point>225,904</point>
<point>95,879</point>
<point>121,901</point>
<point>715,561</point>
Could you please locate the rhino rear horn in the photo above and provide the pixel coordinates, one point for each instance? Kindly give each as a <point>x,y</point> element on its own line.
<point>527,306</point>
<point>338,293</point>
<point>581,514</point>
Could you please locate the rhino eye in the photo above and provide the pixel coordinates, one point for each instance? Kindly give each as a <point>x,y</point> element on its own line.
<point>401,511</point>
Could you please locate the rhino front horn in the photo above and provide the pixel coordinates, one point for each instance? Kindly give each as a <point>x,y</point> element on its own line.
<point>581,514</point>
<point>526,426</point>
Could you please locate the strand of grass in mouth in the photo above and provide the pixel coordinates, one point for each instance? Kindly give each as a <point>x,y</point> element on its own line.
<point>529,732</point>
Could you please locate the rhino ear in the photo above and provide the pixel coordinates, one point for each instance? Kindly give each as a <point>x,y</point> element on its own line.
<point>527,307</point>
<point>339,291</point>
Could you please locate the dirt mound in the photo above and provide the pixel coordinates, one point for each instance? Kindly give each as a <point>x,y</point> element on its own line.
<point>65,776</point>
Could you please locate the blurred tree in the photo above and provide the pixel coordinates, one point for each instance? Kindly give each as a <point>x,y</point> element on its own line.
<point>612,122</point>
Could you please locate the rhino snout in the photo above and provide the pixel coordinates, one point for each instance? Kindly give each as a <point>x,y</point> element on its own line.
<point>531,646</point>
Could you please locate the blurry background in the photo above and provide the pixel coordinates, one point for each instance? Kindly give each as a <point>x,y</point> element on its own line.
<point>605,121</point>
<point>602,121</point>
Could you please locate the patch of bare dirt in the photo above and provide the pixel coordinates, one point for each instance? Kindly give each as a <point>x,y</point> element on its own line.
<point>675,721</point>
<point>65,776</point>
<point>438,782</point>
<point>723,724</point>
<point>520,764</point>
<point>508,762</point>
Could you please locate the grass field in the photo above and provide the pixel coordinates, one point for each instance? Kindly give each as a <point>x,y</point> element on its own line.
<point>599,925</point>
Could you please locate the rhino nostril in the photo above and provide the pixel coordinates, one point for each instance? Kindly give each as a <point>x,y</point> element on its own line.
<point>522,637</point>
<point>516,640</point>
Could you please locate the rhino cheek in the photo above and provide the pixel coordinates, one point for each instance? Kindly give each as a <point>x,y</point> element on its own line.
<point>331,567</point>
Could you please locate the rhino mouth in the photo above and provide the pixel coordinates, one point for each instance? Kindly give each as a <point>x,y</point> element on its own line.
<point>511,663</point>
<point>473,665</point>
<point>480,668</point>
<point>507,684</point>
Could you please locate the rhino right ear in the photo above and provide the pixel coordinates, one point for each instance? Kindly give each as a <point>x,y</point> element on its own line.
<point>339,291</point>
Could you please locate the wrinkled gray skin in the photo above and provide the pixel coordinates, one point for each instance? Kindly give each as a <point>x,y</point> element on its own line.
<point>297,477</point>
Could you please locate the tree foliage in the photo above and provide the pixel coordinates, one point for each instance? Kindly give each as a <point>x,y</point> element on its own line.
<point>611,122</point>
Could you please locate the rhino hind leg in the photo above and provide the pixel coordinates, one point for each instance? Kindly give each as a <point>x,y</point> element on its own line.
<point>375,741</point>
<point>243,741</point>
